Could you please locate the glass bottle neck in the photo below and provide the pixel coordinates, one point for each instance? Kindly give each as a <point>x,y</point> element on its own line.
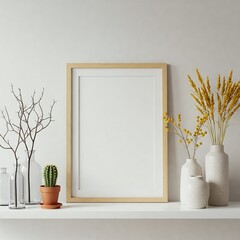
<point>216,148</point>
<point>190,160</point>
<point>3,170</point>
<point>17,166</point>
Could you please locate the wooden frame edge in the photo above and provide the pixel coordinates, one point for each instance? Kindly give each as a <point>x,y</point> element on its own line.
<point>69,134</point>
<point>69,197</point>
<point>165,136</point>
<point>117,200</point>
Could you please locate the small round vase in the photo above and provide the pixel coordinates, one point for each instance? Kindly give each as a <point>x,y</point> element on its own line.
<point>198,192</point>
<point>217,174</point>
<point>189,168</point>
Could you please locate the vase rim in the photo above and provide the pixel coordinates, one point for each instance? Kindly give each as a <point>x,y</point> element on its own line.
<point>17,164</point>
<point>217,145</point>
<point>196,176</point>
<point>43,186</point>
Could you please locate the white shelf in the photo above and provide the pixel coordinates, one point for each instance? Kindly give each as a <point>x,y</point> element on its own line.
<point>172,210</point>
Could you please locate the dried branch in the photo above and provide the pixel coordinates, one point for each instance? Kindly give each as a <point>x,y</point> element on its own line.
<point>10,127</point>
<point>31,120</point>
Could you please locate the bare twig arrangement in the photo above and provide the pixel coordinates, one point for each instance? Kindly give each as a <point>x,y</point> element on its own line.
<point>31,121</point>
<point>10,145</point>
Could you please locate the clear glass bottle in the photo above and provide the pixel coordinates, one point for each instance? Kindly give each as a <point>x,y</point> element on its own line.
<point>16,200</point>
<point>32,179</point>
<point>4,187</point>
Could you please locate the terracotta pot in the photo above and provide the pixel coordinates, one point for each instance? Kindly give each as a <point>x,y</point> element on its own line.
<point>50,195</point>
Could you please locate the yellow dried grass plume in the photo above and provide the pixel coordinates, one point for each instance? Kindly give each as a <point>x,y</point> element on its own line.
<point>227,96</point>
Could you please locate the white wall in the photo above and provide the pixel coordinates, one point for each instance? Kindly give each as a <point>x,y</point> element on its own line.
<point>38,38</point>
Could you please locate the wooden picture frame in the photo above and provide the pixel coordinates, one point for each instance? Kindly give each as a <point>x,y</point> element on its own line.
<point>116,142</point>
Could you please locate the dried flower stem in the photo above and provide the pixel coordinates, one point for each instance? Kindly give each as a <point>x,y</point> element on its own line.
<point>31,121</point>
<point>34,121</point>
<point>186,137</point>
<point>10,145</point>
<point>227,98</point>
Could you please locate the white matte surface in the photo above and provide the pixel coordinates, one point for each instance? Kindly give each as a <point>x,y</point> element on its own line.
<point>125,211</point>
<point>117,133</point>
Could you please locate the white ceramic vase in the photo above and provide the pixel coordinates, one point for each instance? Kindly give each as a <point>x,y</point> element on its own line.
<point>217,175</point>
<point>189,168</point>
<point>198,192</point>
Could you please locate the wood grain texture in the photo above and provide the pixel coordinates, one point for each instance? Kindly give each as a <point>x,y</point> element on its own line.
<point>72,199</point>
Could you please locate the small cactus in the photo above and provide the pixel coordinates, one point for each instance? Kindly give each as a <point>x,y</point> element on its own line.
<point>50,175</point>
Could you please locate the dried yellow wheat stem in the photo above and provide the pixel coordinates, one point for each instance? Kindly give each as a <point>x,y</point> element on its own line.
<point>227,97</point>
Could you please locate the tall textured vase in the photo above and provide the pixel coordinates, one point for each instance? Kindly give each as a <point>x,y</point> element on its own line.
<point>189,168</point>
<point>32,173</point>
<point>217,175</point>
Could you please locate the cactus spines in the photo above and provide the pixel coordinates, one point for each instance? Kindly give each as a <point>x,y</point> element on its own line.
<point>50,175</point>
